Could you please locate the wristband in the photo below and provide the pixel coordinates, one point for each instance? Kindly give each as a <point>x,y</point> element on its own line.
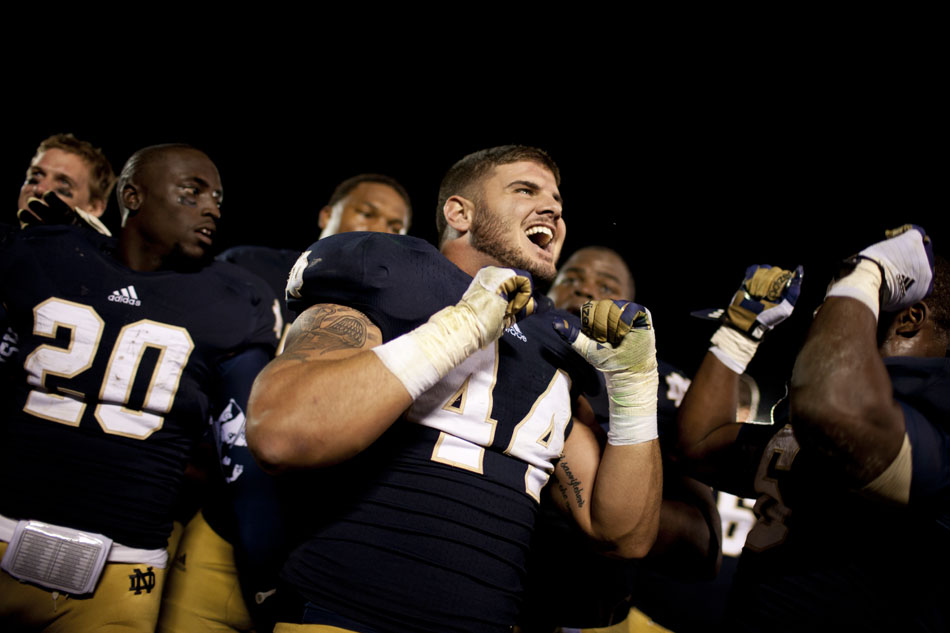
<point>733,348</point>
<point>863,283</point>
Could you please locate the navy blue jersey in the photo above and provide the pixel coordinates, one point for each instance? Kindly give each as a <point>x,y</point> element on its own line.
<point>247,513</point>
<point>121,371</point>
<point>824,558</point>
<point>428,529</point>
<point>270,264</point>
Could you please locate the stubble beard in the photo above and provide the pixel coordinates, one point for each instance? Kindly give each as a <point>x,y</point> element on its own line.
<point>491,236</point>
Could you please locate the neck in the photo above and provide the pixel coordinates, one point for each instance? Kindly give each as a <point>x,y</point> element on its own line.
<point>138,253</point>
<point>461,253</point>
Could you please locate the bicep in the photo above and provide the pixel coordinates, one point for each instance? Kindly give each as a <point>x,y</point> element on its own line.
<point>308,407</point>
<point>706,417</point>
<point>613,495</point>
<point>322,334</point>
<point>328,331</point>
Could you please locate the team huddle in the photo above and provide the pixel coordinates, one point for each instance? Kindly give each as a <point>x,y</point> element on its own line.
<point>379,434</point>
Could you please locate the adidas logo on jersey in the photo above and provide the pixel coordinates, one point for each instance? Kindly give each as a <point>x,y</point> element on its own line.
<point>125,295</point>
<point>516,332</point>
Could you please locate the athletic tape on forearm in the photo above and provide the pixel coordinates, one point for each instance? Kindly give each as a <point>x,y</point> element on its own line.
<point>863,283</point>
<point>733,348</point>
<point>632,397</point>
<point>420,358</point>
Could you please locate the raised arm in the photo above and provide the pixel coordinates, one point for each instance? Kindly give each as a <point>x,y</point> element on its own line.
<point>706,421</point>
<point>615,496</point>
<point>842,401</point>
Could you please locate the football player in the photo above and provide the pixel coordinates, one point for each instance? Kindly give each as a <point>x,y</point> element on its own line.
<point>365,202</point>
<point>687,546</point>
<point>239,532</point>
<point>68,182</point>
<point>127,347</point>
<point>428,420</point>
<point>852,479</point>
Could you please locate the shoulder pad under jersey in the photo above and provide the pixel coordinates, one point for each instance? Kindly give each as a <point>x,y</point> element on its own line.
<point>259,315</point>
<point>396,280</point>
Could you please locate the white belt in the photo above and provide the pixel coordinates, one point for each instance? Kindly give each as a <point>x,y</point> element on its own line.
<point>117,554</point>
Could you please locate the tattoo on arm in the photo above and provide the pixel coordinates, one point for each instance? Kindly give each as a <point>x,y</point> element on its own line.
<point>573,482</point>
<point>327,328</point>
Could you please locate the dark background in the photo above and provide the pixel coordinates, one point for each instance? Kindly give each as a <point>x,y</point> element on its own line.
<point>691,185</point>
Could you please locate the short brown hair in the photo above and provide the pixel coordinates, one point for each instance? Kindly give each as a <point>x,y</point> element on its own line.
<point>103,178</point>
<point>472,168</point>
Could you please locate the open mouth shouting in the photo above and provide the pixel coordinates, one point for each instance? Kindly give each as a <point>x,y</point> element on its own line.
<point>540,235</point>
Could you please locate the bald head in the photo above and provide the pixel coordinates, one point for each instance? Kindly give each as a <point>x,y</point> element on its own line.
<point>141,163</point>
<point>170,197</point>
<point>594,272</point>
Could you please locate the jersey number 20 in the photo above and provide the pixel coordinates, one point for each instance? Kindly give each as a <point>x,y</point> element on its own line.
<point>174,347</point>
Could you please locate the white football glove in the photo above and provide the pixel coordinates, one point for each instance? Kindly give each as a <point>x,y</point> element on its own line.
<point>617,338</point>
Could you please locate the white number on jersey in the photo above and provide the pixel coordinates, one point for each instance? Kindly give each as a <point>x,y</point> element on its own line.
<point>737,519</point>
<point>174,345</point>
<point>460,406</point>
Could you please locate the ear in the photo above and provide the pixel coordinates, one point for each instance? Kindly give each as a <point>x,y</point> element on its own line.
<point>131,197</point>
<point>458,212</point>
<point>324,217</point>
<point>911,320</point>
<point>96,208</point>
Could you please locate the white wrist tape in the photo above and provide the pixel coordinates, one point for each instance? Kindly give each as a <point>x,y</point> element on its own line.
<point>733,348</point>
<point>863,283</point>
<point>632,397</point>
<point>420,358</point>
<point>624,431</point>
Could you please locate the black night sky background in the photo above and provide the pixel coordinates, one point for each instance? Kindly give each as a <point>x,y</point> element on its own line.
<point>691,182</point>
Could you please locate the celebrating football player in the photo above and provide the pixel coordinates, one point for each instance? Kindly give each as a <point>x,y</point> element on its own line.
<point>127,346</point>
<point>431,409</point>
<point>239,533</point>
<point>687,544</point>
<point>852,480</point>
